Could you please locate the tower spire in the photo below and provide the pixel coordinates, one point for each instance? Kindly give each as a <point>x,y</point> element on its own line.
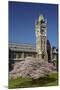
<point>41,37</point>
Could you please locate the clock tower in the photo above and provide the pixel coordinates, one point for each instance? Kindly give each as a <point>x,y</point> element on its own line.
<point>41,37</point>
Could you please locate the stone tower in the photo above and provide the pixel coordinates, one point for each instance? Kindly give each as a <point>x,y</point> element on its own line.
<point>41,37</point>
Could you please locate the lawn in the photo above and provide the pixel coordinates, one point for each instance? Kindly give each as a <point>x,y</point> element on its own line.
<point>48,80</point>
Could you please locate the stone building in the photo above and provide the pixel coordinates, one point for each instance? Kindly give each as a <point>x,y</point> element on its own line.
<point>41,37</point>
<point>18,52</point>
<point>54,53</point>
<point>55,57</point>
<point>21,51</point>
<point>42,49</point>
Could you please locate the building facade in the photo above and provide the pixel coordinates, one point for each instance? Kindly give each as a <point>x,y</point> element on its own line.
<point>18,52</point>
<point>21,51</point>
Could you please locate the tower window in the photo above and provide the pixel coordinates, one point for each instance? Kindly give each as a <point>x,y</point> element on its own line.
<point>42,21</point>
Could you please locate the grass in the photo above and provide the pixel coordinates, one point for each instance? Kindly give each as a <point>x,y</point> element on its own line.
<point>48,80</point>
